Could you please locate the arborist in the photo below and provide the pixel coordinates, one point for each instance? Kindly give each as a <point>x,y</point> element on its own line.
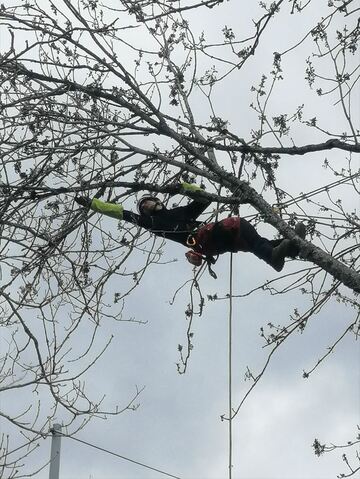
<point>206,240</point>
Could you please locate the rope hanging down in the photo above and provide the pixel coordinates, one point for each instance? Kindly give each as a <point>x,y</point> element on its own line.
<point>230,364</point>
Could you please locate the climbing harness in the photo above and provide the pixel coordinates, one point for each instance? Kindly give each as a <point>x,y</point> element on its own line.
<point>195,257</point>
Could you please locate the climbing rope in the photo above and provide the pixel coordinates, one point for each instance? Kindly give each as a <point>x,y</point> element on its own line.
<point>230,363</point>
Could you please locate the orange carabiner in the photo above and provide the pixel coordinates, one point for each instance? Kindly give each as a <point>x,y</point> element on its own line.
<point>191,241</point>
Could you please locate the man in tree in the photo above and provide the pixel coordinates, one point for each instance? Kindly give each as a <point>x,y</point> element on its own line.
<point>180,224</point>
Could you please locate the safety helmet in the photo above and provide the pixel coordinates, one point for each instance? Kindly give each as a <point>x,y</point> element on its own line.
<point>144,198</point>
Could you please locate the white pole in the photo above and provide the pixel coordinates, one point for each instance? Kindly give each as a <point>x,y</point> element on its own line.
<point>55,452</point>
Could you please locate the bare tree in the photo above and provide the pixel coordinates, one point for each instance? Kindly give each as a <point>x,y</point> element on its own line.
<point>117,99</point>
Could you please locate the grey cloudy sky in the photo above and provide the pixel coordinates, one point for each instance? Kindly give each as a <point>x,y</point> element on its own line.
<point>177,426</point>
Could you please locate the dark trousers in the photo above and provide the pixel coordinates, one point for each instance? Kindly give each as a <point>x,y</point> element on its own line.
<point>236,234</point>
<point>256,244</point>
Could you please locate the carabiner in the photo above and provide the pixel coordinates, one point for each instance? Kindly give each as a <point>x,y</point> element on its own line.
<point>191,241</point>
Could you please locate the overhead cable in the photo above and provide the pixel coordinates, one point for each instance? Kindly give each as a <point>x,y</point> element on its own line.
<point>121,457</point>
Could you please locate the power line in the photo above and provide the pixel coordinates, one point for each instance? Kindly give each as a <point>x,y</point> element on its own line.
<point>121,457</point>
<point>321,189</point>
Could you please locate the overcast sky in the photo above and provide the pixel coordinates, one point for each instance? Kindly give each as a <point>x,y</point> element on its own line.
<point>177,426</point>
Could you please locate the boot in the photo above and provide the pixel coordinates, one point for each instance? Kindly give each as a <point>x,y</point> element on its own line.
<point>286,249</point>
<point>279,253</point>
<point>300,230</point>
<point>293,250</point>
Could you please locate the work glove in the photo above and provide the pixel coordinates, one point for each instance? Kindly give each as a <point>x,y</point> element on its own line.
<point>109,209</point>
<point>190,187</point>
<point>83,201</point>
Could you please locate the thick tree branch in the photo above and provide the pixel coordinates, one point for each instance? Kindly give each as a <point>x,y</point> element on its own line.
<point>284,150</point>
<point>164,129</point>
